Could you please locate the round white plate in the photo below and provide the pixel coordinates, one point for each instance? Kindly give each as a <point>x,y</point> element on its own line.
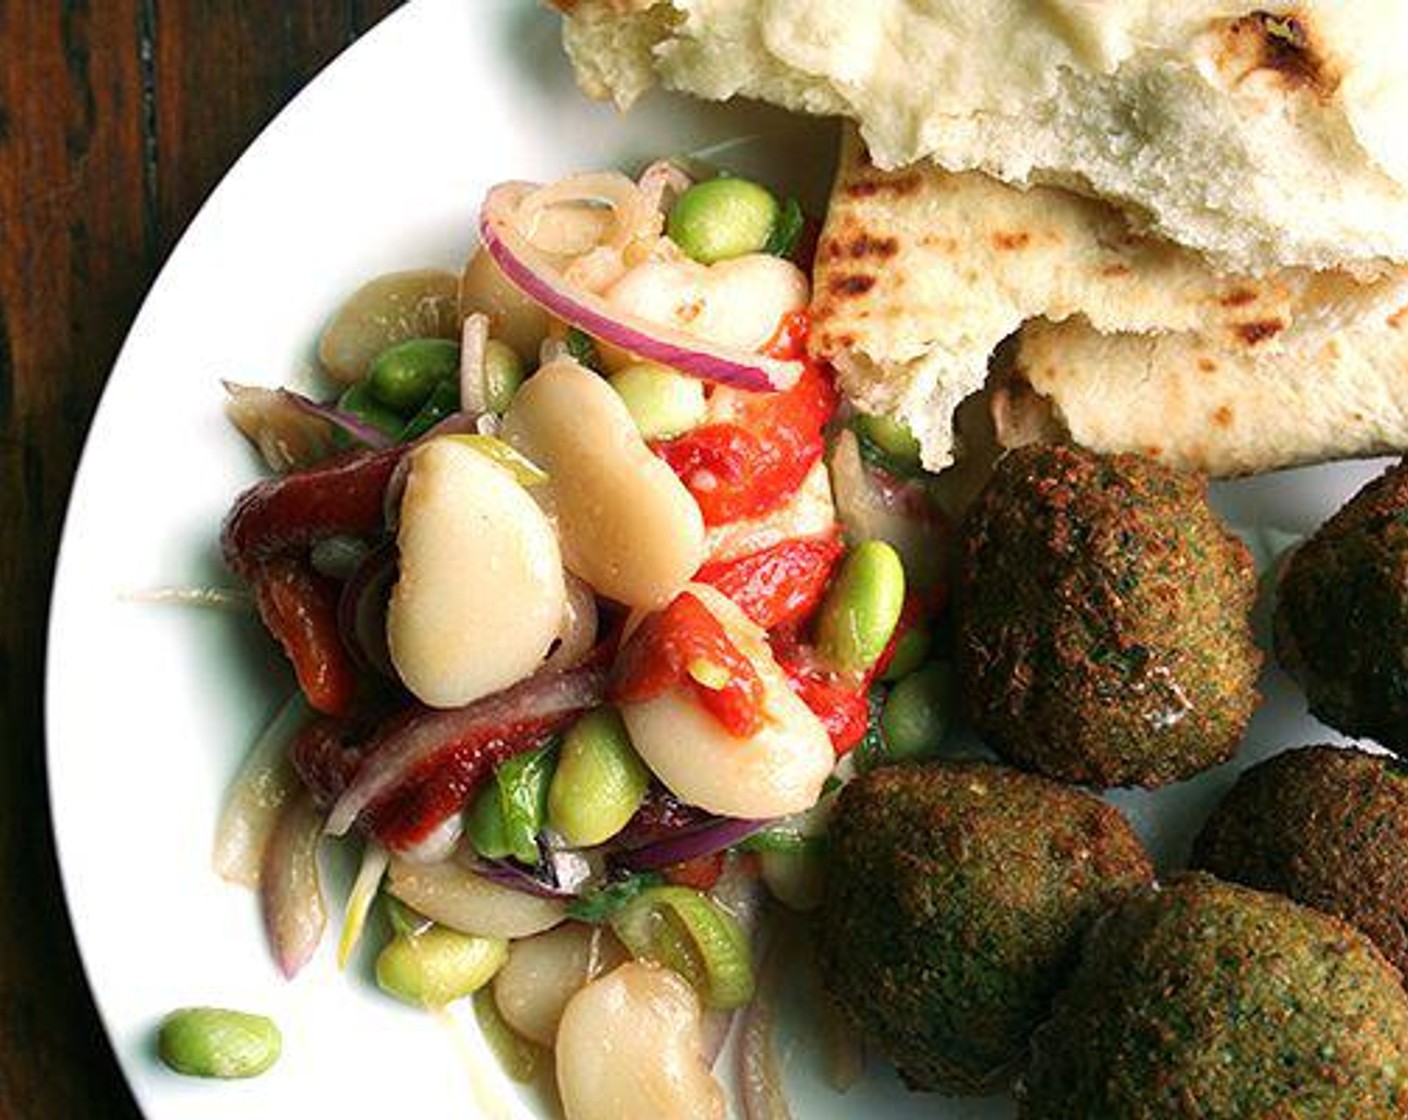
<point>379,164</point>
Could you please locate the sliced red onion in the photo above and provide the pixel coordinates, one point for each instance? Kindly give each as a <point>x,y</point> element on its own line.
<point>402,750</point>
<point>759,1079</point>
<point>526,270</point>
<point>661,183</point>
<point>265,784</point>
<point>695,843</point>
<point>437,845</point>
<point>509,874</point>
<point>287,435</point>
<point>361,610</point>
<point>290,890</point>
<point>474,337</point>
<point>375,859</point>
<point>367,434</point>
<point>579,627</point>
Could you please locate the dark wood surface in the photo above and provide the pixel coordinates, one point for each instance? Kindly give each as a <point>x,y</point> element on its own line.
<point>116,119</point>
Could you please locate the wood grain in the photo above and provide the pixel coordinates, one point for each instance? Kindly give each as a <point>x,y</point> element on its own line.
<point>116,119</point>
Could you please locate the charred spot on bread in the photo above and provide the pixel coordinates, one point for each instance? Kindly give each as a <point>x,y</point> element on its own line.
<point>1011,240</point>
<point>850,284</point>
<point>1283,45</point>
<point>897,185</point>
<point>1238,297</point>
<point>1257,331</point>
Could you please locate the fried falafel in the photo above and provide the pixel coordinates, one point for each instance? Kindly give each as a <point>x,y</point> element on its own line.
<point>1341,620</point>
<point>1327,827</point>
<point>956,898</point>
<point>1212,1001</point>
<point>1104,632</point>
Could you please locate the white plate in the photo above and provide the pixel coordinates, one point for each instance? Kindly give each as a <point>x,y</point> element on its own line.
<point>379,164</point>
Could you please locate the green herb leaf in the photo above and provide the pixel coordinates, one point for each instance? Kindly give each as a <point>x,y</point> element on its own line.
<point>582,348</point>
<point>523,783</point>
<point>787,230</point>
<point>599,905</point>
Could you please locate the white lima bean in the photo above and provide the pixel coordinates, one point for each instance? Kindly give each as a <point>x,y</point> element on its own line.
<point>392,308</point>
<point>513,317</point>
<point>544,972</point>
<point>626,523</point>
<point>456,897</point>
<point>630,1047</point>
<point>779,770</point>
<point>481,593</point>
<point>737,302</point>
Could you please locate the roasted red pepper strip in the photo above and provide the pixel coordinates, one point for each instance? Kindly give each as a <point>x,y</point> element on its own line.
<point>755,462</point>
<point>778,585</point>
<point>299,607</point>
<point>838,700</point>
<point>418,806</point>
<point>664,647</point>
<point>285,515</point>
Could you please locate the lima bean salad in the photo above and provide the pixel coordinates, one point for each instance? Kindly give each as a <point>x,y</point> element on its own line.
<point>595,594</point>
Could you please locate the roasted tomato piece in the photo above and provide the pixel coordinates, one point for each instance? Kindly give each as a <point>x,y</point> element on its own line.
<point>299,608</point>
<point>777,585</point>
<point>685,644</point>
<point>751,464</point>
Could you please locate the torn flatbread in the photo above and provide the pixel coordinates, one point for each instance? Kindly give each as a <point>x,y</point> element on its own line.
<point>1187,402</point>
<point>1264,135</point>
<point>921,273</point>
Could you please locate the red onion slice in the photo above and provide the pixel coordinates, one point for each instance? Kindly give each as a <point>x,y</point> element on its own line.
<point>265,784</point>
<point>290,890</point>
<point>695,843</point>
<point>759,1079</point>
<point>402,750</point>
<point>526,270</point>
<point>361,611</point>
<point>366,434</point>
<point>518,878</point>
<point>474,337</point>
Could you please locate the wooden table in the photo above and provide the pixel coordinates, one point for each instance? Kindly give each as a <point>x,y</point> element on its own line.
<point>116,119</point>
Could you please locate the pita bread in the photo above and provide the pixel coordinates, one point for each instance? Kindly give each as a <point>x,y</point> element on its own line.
<point>1189,403</point>
<point>921,273</point>
<point>1264,136</point>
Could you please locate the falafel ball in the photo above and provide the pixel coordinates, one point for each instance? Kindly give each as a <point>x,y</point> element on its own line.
<point>1327,827</point>
<point>1341,621</point>
<point>1218,1002</point>
<point>1104,631</point>
<point>957,894</point>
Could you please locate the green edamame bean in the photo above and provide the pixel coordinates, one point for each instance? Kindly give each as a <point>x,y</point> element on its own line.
<point>358,401</point>
<point>444,399</point>
<point>910,652</point>
<point>503,374</point>
<point>917,713</point>
<point>403,376</point>
<point>891,438</point>
<point>403,919</point>
<point>663,403</point>
<point>484,824</point>
<point>439,966</point>
<point>215,1042</point>
<point>862,607</point>
<point>722,218</point>
<point>600,780</point>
